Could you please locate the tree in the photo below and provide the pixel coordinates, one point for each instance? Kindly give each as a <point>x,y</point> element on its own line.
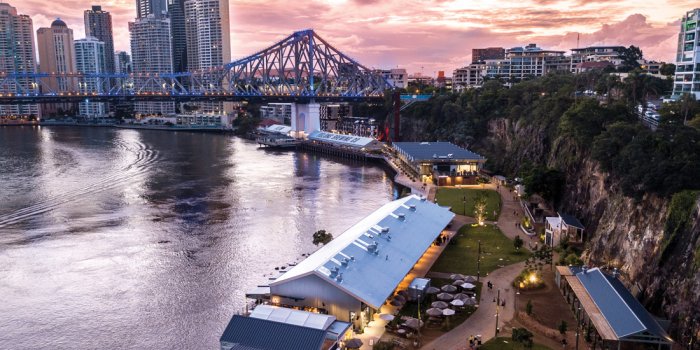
<point>322,237</point>
<point>630,58</point>
<point>563,327</point>
<point>480,209</point>
<point>528,307</point>
<point>668,69</point>
<point>549,183</point>
<point>523,336</point>
<point>518,243</point>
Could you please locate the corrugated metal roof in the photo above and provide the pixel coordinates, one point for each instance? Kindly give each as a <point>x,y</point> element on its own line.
<point>623,312</point>
<point>374,255</point>
<point>340,139</point>
<point>571,221</point>
<point>435,151</point>
<point>248,333</point>
<point>292,316</point>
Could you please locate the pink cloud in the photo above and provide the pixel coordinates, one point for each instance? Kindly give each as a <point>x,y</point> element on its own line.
<point>417,34</point>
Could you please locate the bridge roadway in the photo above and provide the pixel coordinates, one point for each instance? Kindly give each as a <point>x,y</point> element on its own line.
<point>66,98</point>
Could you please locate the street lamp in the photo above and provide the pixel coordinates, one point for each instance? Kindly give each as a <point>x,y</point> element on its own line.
<point>498,302</point>
<point>478,263</point>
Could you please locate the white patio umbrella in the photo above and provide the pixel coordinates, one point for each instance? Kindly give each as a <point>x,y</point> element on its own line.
<point>461,296</point>
<point>449,288</point>
<point>439,304</point>
<point>448,312</point>
<point>353,343</point>
<point>470,279</point>
<point>445,296</point>
<point>432,290</point>
<point>457,276</point>
<point>468,286</point>
<point>413,323</point>
<point>434,312</point>
<point>457,282</point>
<point>470,301</point>
<point>386,317</point>
<point>457,302</point>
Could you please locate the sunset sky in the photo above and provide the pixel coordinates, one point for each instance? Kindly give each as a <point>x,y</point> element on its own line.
<point>419,35</point>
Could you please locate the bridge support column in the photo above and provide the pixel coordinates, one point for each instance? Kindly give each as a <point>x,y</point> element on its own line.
<point>306,118</point>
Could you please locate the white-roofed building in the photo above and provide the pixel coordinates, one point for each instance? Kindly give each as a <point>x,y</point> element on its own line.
<point>353,275</point>
<point>347,141</point>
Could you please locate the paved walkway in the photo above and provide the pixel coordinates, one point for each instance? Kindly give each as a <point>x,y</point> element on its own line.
<point>483,320</point>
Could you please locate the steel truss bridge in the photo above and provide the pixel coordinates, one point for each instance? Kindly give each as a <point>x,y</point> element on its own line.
<point>300,68</point>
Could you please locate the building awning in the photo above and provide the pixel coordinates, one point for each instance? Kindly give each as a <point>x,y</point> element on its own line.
<point>259,292</point>
<point>435,152</point>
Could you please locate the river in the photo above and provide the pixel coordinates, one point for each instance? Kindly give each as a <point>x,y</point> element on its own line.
<point>136,239</point>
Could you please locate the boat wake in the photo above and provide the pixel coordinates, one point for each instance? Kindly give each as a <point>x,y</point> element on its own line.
<point>145,157</point>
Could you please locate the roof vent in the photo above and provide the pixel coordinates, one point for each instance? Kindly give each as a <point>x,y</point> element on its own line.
<point>334,272</point>
<point>449,155</point>
<point>422,199</point>
<point>352,258</point>
<point>412,207</point>
<point>344,262</point>
<point>385,229</point>
<point>401,216</point>
<point>434,155</point>
<point>372,247</point>
<point>339,278</point>
<point>388,238</point>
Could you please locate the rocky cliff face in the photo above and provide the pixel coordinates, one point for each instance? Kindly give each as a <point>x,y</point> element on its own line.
<point>621,231</point>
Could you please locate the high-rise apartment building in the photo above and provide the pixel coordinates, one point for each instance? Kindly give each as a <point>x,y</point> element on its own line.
<point>396,77</point>
<point>687,77</point>
<point>17,55</point>
<point>98,24</point>
<point>176,12</point>
<point>90,58</point>
<point>151,52</point>
<point>208,41</point>
<point>56,55</point>
<point>489,53</point>
<point>122,62</point>
<point>158,8</point>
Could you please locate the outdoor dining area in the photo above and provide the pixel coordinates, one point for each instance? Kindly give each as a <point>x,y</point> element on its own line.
<point>430,307</point>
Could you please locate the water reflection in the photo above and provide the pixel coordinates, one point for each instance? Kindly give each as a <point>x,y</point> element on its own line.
<point>137,239</point>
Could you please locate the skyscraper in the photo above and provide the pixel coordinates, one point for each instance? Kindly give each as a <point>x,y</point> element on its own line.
<point>90,59</point>
<point>56,54</point>
<point>17,55</point>
<point>176,12</point>
<point>122,62</point>
<point>98,24</point>
<point>157,8</point>
<point>688,56</point>
<point>208,41</point>
<point>151,52</point>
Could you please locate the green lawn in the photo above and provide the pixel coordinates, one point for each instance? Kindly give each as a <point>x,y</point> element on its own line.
<point>454,198</point>
<point>508,344</point>
<point>496,251</point>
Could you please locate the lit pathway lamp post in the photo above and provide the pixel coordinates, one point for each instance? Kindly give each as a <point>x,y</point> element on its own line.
<point>464,201</point>
<point>498,302</point>
<point>419,320</point>
<point>478,263</point>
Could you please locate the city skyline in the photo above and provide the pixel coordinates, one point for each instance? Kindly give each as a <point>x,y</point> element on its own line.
<point>418,37</point>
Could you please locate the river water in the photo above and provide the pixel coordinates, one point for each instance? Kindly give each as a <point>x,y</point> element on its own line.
<point>134,239</point>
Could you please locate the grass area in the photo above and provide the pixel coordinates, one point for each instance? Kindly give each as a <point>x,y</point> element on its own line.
<point>508,344</point>
<point>454,198</point>
<point>411,308</point>
<point>496,251</point>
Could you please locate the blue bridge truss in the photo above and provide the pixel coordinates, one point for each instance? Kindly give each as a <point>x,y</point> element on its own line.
<point>300,68</point>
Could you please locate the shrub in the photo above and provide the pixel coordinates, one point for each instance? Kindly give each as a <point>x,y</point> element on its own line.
<point>528,307</point>
<point>523,336</point>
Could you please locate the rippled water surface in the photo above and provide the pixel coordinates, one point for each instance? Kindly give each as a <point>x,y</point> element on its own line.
<point>132,239</point>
